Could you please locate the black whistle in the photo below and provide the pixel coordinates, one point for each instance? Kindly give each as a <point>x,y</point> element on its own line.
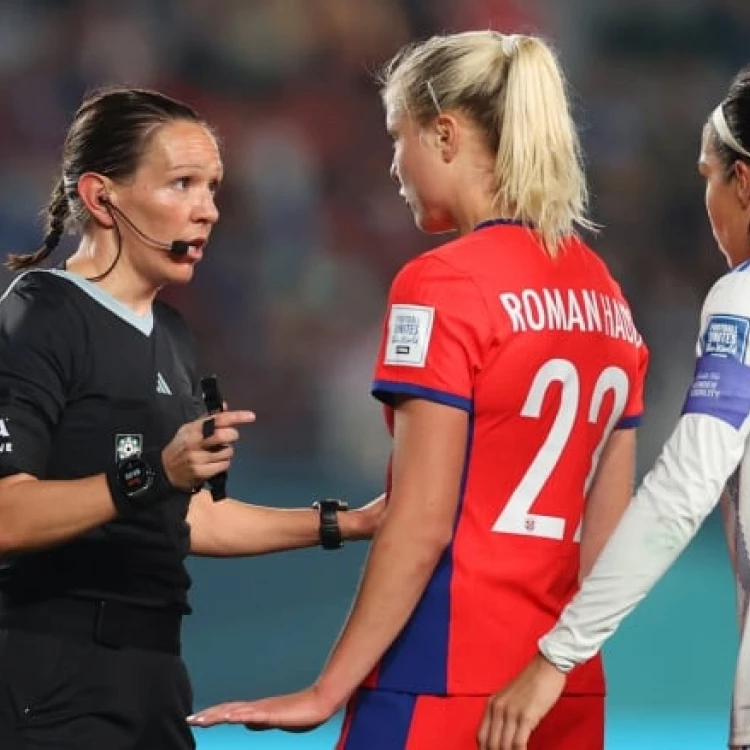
<point>214,403</point>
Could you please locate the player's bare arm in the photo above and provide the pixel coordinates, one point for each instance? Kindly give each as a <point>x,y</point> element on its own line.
<point>428,458</point>
<point>609,495</point>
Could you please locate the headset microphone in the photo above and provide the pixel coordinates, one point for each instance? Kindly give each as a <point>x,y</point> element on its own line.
<point>176,247</point>
<point>179,247</point>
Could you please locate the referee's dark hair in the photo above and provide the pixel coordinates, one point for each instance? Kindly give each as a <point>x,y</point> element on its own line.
<point>109,134</point>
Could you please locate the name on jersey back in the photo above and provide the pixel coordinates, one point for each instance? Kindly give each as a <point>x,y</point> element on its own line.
<point>582,310</point>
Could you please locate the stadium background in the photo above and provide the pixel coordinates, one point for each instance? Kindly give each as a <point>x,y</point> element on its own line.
<point>287,304</point>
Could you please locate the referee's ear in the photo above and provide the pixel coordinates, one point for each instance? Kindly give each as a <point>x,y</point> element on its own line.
<point>94,192</point>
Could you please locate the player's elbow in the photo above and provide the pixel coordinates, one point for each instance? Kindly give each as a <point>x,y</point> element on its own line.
<point>424,525</point>
<point>433,537</point>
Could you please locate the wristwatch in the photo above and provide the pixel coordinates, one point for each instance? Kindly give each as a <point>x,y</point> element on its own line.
<point>138,482</point>
<point>329,531</point>
<point>135,477</point>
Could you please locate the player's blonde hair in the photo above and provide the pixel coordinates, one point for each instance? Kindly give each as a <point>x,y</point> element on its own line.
<point>513,88</point>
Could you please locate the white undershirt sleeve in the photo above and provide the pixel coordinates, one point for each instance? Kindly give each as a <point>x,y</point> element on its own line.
<point>667,511</point>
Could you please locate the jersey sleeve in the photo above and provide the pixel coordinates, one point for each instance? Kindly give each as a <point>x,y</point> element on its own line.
<point>36,364</point>
<point>633,412</point>
<point>684,485</point>
<point>434,335</point>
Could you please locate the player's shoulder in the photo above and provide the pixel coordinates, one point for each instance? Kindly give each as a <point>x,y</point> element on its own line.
<point>725,318</point>
<point>429,268</point>
<point>459,258</point>
<point>730,293</point>
<point>596,270</point>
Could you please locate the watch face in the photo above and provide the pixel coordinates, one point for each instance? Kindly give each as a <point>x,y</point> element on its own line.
<point>135,476</point>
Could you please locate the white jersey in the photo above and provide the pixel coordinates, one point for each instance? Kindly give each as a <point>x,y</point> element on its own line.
<point>707,452</point>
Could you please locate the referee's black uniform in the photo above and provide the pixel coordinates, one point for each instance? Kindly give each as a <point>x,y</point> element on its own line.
<point>90,629</point>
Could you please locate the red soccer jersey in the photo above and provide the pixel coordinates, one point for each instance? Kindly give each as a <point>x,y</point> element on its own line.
<point>544,356</point>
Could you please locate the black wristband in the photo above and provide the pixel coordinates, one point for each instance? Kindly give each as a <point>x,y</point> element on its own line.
<point>139,482</point>
<point>329,530</point>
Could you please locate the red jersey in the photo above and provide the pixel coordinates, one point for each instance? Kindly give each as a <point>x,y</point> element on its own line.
<point>543,355</point>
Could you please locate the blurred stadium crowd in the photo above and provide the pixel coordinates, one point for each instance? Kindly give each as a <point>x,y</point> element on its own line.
<point>288,303</point>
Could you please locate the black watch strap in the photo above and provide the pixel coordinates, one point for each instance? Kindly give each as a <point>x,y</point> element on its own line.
<point>158,488</point>
<point>329,530</point>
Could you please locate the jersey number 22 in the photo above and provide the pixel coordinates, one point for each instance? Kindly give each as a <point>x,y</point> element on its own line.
<point>516,517</point>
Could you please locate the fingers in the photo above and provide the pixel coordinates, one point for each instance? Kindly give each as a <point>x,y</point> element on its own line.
<point>203,448</point>
<point>209,717</point>
<point>249,716</point>
<point>218,437</point>
<point>503,729</point>
<point>504,736</point>
<point>231,418</point>
<point>483,736</point>
<point>228,713</point>
<point>215,463</point>
<point>523,733</point>
<point>219,429</point>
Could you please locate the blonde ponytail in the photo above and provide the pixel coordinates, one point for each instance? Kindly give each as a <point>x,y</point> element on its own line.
<point>513,88</point>
<point>538,168</point>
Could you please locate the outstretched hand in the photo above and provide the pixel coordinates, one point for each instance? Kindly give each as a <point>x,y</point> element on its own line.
<point>295,712</point>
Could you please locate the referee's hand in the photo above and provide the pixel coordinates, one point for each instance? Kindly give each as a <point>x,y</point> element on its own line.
<point>203,448</point>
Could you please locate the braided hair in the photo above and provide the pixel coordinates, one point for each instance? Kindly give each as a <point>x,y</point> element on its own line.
<point>57,212</point>
<point>109,135</point>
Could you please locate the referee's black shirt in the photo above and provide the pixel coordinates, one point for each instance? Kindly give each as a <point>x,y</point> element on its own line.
<point>85,381</point>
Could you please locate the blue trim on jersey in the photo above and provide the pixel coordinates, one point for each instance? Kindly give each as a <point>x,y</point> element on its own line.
<point>721,389</point>
<point>384,390</point>
<point>417,661</point>
<point>741,267</point>
<point>500,222</point>
<point>380,720</point>
<point>627,423</point>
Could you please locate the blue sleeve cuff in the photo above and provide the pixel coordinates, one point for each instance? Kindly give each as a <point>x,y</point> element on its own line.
<point>628,423</point>
<point>386,390</point>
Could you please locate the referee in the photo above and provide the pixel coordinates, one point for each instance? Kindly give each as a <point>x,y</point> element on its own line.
<point>105,446</point>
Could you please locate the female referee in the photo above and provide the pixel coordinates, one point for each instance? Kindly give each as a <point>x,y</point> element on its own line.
<point>512,376</point>
<point>104,444</point>
<point>707,453</point>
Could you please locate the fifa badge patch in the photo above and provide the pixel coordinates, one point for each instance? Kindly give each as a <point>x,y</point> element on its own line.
<point>128,446</point>
<point>726,336</point>
<point>409,331</point>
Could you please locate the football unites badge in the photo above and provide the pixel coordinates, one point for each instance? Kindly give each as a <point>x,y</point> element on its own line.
<point>128,446</point>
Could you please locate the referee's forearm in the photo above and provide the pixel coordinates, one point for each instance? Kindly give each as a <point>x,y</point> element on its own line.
<point>232,528</point>
<point>43,513</point>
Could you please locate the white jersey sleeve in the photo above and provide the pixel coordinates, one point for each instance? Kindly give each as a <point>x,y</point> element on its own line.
<point>706,448</point>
